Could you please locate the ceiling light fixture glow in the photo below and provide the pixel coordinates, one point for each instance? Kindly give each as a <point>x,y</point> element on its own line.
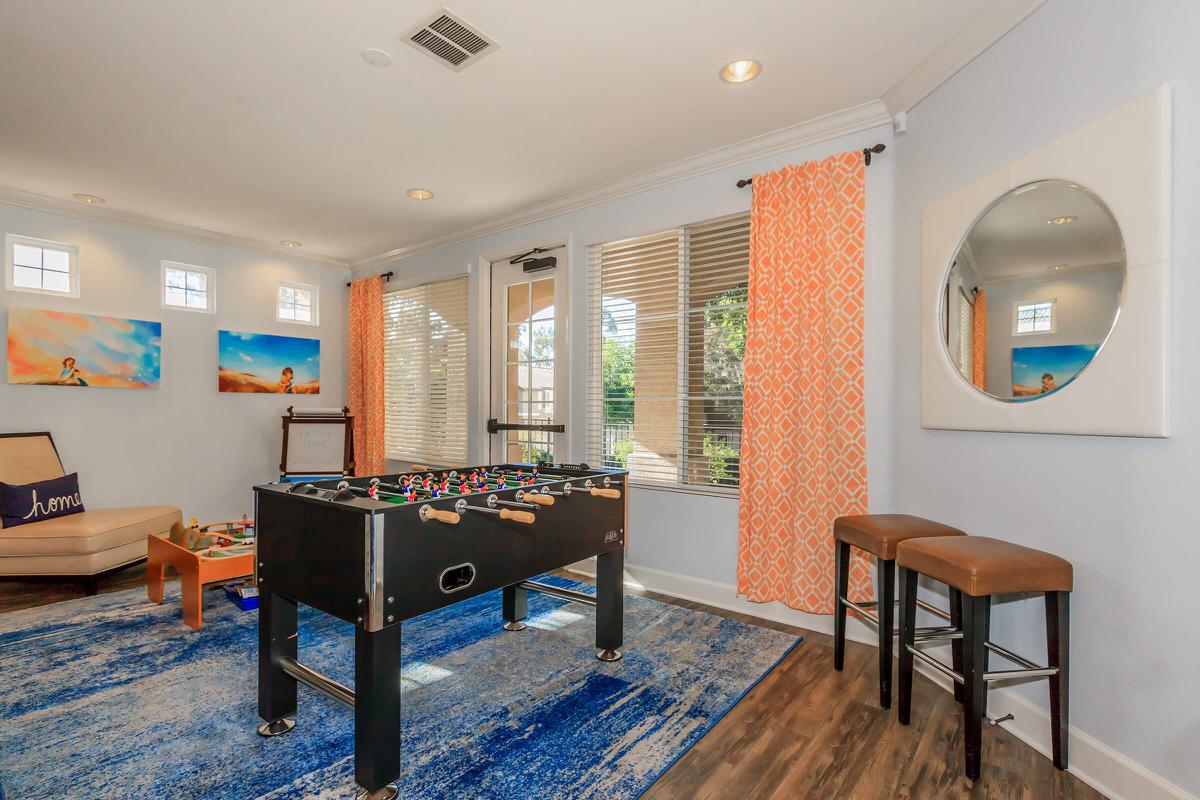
<point>290,244</point>
<point>1063,220</point>
<point>90,199</point>
<point>420,194</point>
<point>740,71</point>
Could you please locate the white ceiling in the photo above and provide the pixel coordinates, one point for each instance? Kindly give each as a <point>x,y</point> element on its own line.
<point>1013,240</point>
<point>259,119</point>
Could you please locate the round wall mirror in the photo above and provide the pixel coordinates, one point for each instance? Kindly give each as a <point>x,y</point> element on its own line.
<point>1034,291</point>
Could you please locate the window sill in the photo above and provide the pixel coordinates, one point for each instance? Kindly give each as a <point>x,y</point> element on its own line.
<point>726,492</point>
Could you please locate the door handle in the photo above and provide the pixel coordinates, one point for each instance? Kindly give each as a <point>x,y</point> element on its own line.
<point>495,426</point>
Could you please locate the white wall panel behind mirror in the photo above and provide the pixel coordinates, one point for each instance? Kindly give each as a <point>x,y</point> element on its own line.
<point>1124,158</point>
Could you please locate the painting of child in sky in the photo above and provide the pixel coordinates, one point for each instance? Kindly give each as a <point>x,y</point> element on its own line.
<point>1042,370</point>
<point>262,363</point>
<point>57,348</point>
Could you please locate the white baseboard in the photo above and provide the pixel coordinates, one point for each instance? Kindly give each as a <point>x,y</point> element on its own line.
<point>1104,769</point>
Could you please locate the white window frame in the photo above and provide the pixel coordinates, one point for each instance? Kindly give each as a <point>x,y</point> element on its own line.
<point>426,451</point>
<point>594,446</point>
<point>210,293</point>
<point>1019,304</point>
<point>314,293</point>
<point>12,239</point>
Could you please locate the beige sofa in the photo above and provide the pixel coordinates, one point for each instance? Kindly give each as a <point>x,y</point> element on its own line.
<point>78,547</point>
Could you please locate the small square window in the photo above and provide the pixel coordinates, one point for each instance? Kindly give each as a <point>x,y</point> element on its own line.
<point>189,287</point>
<point>1035,316</point>
<point>41,266</point>
<point>297,302</point>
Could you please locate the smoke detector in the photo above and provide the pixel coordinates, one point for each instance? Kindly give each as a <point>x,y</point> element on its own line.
<point>450,40</point>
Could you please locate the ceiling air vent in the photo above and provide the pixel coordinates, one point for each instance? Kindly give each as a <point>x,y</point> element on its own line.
<point>450,40</point>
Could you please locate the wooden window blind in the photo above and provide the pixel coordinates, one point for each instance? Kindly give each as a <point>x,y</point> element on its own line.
<point>668,315</point>
<point>425,362</point>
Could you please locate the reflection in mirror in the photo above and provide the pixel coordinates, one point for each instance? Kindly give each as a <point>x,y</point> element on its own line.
<point>1033,291</point>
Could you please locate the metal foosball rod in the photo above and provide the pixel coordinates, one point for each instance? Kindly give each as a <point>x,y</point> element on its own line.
<point>594,491</point>
<point>534,497</point>
<point>494,501</point>
<point>524,517</point>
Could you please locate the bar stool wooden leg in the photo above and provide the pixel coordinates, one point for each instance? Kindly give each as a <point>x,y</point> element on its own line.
<point>885,593</point>
<point>975,613</point>
<point>908,625</point>
<point>956,645</point>
<point>841,558</point>
<point>1058,647</point>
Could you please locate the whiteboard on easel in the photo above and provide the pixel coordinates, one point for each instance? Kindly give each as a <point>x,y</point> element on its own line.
<point>315,447</point>
<point>315,441</point>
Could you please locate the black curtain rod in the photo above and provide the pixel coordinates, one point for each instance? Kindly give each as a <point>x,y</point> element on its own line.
<point>387,276</point>
<point>866,151</point>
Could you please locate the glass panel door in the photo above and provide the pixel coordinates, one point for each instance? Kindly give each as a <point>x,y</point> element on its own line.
<point>524,366</point>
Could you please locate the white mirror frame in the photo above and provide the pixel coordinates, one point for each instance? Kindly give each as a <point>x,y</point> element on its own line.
<point>1125,158</point>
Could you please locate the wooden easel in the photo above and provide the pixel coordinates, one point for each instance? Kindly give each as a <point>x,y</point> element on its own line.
<point>317,449</point>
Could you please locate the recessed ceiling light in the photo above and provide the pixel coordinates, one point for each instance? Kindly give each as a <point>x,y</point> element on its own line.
<point>290,244</point>
<point>1065,220</point>
<point>1056,267</point>
<point>90,199</point>
<point>376,57</point>
<point>740,71</point>
<point>420,194</point>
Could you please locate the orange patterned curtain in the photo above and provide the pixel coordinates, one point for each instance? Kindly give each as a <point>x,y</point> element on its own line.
<point>979,343</point>
<point>804,458</point>
<point>365,385</point>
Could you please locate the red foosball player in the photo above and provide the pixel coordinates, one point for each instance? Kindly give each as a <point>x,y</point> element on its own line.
<point>464,489</point>
<point>373,492</point>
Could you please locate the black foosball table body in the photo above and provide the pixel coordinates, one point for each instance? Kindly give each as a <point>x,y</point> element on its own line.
<point>364,551</point>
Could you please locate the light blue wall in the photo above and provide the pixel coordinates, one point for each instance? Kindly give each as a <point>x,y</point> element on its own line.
<point>184,443</point>
<point>685,533</point>
<point>1120,509</point>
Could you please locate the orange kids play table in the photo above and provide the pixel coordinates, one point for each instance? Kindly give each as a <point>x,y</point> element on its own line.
<point>197,567</point>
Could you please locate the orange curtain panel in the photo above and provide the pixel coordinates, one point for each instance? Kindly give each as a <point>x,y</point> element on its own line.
<point>365,385</point>
<point>804,459</point>
<point>979,342</point>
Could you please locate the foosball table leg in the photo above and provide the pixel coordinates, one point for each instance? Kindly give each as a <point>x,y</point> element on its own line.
<point>377,710</point>
<point>516,607</point>
<point>276,642</point>
<point>610,604</point>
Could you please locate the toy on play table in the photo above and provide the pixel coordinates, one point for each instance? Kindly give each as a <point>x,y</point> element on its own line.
<point>218,551</point>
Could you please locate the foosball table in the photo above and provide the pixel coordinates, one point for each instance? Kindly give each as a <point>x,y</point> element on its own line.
<point>377,551</point>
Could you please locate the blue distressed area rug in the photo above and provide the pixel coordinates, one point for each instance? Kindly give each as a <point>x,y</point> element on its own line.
<point>112,697</point>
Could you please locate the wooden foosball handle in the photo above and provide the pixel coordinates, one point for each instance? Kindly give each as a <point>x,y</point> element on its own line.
<point>524,517</point>
<point>611,494</point>
<point>448,517</point>
<point>540,499</point>
<point>419,467</point>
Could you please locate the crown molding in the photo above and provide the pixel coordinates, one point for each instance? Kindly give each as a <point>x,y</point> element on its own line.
<point>987,28</point>
<point>19,197</point>
<point>840,123</point>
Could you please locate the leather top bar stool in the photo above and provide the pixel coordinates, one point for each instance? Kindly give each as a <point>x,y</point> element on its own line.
<point>877,534</point>
<point>978,568</point>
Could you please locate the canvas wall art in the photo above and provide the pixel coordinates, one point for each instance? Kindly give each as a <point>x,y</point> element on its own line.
<point>260,362</point>
<point>1042,370</point>
<point>58,348</point>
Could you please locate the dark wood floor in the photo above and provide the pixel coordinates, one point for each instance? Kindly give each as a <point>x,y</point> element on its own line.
<point>805,731</point>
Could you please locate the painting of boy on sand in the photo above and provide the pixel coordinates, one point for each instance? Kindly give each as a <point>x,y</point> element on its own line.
<point>262,363</point>
<point>58,348</point>
<point>1043,370</point>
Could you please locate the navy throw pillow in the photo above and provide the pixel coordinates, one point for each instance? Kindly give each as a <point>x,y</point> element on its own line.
<point>34,502</point>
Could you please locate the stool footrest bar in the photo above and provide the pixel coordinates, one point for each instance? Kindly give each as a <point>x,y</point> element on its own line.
<point>925,658</point>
